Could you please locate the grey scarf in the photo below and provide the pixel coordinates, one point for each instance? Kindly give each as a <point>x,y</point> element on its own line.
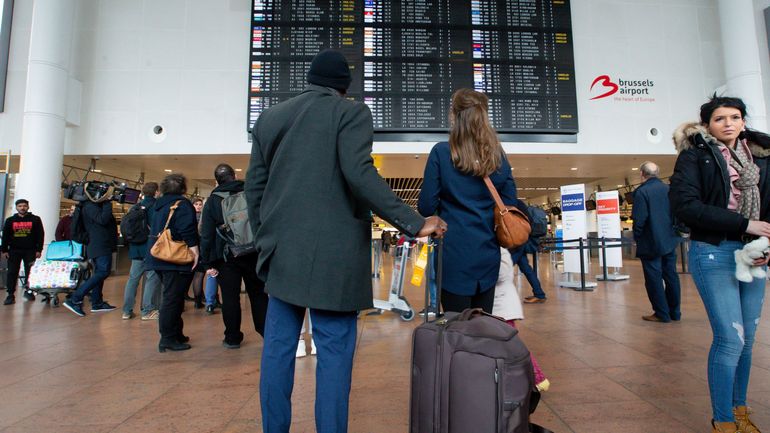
<point>748,204</point>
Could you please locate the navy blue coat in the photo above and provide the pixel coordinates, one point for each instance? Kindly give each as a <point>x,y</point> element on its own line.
<point>139,251</point>
<point>471,252</point>
<point>183,225</point>
<point>101,227</point>
<point>653,226</point>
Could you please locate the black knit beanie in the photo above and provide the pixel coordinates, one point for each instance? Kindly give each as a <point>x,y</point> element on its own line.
<point>330,69</point>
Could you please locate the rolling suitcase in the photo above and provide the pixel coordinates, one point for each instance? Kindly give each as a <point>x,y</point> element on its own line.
<point>470,373</point>
<point>49,278</point>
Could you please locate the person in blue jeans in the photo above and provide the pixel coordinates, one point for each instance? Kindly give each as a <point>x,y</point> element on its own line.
<point>520,259</point>
<point>102,242</point>
<point>656,242</point>
<point>137,273</point>
<point>720,189</point>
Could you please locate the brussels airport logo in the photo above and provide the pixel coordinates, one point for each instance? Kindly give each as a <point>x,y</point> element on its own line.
<point>623,90</point>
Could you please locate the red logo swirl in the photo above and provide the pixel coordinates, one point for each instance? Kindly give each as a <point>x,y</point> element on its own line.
<point>607,83</point>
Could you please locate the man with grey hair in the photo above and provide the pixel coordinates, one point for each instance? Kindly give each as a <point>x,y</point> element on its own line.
<point>656,243</point>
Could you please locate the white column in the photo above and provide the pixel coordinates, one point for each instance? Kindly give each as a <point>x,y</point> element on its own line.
<point>741,55</point>
<point>45,105</point>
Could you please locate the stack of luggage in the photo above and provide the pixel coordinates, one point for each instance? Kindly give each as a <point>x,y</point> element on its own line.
<point>62,271</point>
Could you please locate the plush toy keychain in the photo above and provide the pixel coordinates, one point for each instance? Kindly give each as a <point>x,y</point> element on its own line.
<point>745,270</point>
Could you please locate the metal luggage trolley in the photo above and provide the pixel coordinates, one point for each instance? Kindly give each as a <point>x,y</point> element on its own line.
<point>396,302</point>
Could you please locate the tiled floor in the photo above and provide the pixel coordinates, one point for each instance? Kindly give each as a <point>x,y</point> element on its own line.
<point>610,371</point>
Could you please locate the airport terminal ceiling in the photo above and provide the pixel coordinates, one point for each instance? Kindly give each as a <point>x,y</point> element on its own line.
<point>537,176</point>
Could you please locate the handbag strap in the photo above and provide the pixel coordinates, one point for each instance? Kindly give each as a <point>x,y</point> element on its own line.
<point>495,195</point>
<point>171,213</point>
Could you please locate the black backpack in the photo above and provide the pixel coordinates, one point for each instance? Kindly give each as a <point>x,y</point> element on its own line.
<point>538,220</point>
<point>78,231</point>
<point>134,226</point>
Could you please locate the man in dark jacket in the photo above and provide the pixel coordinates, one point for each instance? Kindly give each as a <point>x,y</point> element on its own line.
<point>656,244</point>
<point>64,228</point>
<point>22,240</point>
<point>230,271</point>
<point>137,253</point>
<point>315,149</point>
<point>102,242</point>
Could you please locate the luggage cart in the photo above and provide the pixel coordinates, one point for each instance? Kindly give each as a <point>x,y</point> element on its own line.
<point>396,302</point>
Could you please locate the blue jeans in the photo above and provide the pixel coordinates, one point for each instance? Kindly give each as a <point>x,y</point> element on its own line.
<point>432,256</point>
<point>94,285</point>
<point>519,257</point>
<point>150,288</point>
<point>210,290</point>
<point>734,309</point>
<point>666,299</point>
<point>335,336</point>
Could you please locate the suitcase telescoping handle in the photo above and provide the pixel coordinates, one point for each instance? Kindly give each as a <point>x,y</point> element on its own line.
<point>436,245</point>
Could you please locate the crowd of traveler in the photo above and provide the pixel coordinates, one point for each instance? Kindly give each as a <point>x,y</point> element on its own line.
<point>311,178</point>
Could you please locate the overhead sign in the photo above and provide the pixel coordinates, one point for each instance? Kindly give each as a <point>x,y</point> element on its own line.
<point>608,221</point>
<point>573,210</point>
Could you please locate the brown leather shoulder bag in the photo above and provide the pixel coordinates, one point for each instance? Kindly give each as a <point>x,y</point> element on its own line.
<point>169,250</point>
<point>511,225</point>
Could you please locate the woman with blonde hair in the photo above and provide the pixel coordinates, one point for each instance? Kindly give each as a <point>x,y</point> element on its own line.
<point>454,189</point>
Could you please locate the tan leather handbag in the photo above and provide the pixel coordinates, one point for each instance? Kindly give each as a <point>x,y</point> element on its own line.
<point>511,225</point>
<point>169,250</point>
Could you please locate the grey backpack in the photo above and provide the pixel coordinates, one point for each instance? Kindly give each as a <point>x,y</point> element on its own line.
<point>236,230</point>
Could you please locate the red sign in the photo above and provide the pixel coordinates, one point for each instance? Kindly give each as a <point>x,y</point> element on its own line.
<point>607,206</point>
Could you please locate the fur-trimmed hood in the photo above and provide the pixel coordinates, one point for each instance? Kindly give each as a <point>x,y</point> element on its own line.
<point>684,137</point>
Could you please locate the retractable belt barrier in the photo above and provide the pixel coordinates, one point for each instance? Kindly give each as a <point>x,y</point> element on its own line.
<point>617,243</point>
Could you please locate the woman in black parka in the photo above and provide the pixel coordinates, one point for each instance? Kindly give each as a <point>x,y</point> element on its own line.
<point>720,190</point>
<point>175,278</point>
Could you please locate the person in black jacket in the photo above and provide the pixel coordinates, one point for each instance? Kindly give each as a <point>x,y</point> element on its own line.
<point>229,270</point>
<point>719,191</point>
<point>23,236</point>
<point>175,278</point>
<point>102,242</point>
<point>656,244</point>
<point>63,229</point>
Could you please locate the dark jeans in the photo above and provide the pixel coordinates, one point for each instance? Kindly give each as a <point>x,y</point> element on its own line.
<point>666,299</point>
<point>519,257</point>
<point>94,285</point>
<point>231,273</point>
<point>335,336</point>
<point>175,285</point>
<point>484,300</point>
<point>14,264</point>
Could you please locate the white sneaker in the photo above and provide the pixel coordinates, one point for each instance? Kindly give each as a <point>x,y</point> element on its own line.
<point>312,346</point>
<point>301,350</point>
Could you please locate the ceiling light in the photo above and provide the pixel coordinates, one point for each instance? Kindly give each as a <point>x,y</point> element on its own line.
<point>238,169</point>
<point>512,169</point>
<point>573,168</point>
<point>167,171</point>
<point>620,186</point>
<point>97,170</point>
<point>634,168</point>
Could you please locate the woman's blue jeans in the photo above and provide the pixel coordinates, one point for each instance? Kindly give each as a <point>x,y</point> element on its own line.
<point>734,309</point>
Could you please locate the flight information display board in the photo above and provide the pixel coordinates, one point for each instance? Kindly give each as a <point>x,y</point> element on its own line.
<point>408,56</point>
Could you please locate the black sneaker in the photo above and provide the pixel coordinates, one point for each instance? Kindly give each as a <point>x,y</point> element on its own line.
<point>75,308</point>
<point>103,307</point>
<point>431,313</point>
<point>28,295</point>
<point>227,345</point>
<point>10,300</point>
<point>210,309</point>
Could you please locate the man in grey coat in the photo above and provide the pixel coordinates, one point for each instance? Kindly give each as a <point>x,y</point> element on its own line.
<point>311,179</point>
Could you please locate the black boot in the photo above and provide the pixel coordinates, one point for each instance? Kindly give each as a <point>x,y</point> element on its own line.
<point>199,302</point>
<point>10,299</point>
<point>173,345</point>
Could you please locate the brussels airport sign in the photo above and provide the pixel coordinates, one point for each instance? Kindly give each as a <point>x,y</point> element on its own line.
<point>622,90</point>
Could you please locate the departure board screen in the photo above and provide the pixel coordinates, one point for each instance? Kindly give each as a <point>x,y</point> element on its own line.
<point>408,56</point>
